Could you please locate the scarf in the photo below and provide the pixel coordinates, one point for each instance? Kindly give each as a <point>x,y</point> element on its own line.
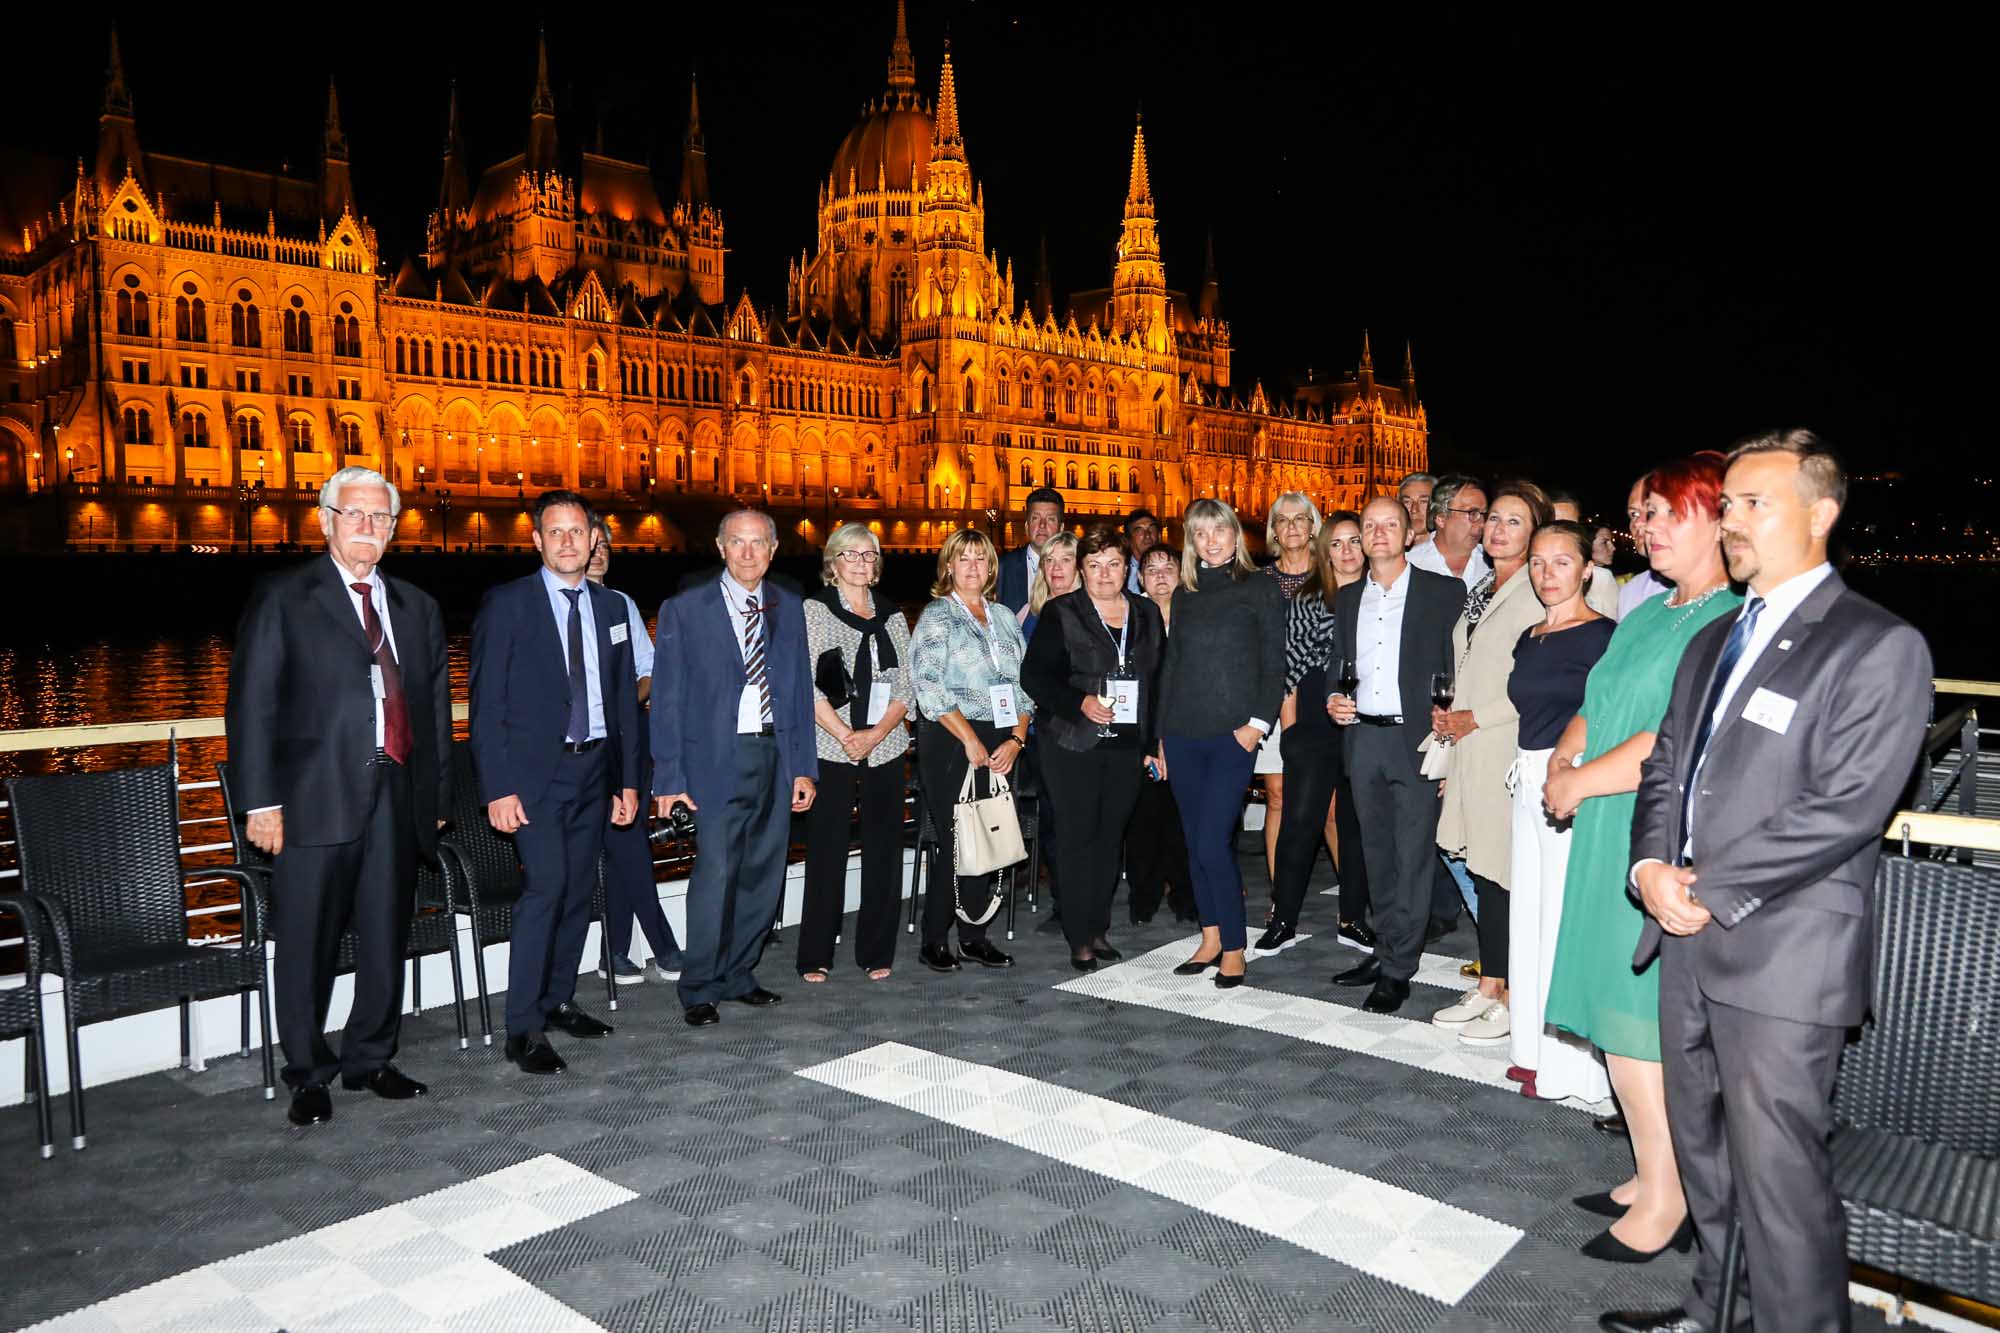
<point>875,627</point>
<point>1476,603</point>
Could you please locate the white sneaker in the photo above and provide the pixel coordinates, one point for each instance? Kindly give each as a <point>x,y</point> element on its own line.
<point>1490,1028</point>
<point>658,973</point>
<point>1468,1007</point>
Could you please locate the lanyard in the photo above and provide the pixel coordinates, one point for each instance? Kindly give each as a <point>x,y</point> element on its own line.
<point>1123,631</point>
<point>985,635</point>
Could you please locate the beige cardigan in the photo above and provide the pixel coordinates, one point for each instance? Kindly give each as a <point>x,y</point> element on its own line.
<point>1475,818</point>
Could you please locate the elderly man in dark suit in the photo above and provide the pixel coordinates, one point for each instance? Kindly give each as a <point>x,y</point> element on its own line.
<point>339,719</point>
<point>1793,730</point>
<point>1041,518</point>
<point>1398,620</point>
<point>555,740</point>
<point>732,735</point>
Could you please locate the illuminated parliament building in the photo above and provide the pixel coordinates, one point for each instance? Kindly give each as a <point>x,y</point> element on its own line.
<point>178,328</point>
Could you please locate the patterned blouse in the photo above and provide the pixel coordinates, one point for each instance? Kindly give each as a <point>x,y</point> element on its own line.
<point>1311,632</point>
<point>954,667</point>
<point>825,630</point>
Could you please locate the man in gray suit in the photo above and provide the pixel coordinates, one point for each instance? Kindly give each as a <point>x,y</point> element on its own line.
<point>1793,731</point>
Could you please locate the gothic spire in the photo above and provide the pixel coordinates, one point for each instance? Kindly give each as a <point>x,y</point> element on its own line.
<point>1409,364</point>
<point>544,101</point>
<point>117,97</point>
<point>117,133</point>
<point>1211,285</point>
<point>1045,292</point>
<point>945,139</point>
<point>540,157</point>
<point>453,190</point>
<point>694,153</point>
<point>1139,194</point>
<point>1367,356</point>
<point>336,142</point>
<point>902,65</point>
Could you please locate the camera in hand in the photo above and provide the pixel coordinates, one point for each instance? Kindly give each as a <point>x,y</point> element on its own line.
<point>678,823</point>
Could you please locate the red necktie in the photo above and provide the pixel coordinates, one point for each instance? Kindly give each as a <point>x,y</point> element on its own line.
<point>395,705</point>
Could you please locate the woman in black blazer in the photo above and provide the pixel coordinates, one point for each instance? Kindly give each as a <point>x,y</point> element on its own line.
<point>1096,642</point>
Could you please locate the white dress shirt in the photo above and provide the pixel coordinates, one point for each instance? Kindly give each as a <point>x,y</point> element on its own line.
<point>1429,557</point>
<point>559,607</point>
<point>750,703</point>
<point>1638,588</point>
<point>1378,648</point>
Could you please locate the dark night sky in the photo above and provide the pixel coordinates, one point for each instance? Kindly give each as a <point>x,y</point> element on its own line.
<point>1611,236</point>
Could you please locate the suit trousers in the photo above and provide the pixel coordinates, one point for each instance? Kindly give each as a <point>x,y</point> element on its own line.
<point>558,847</point>
<point>1096,789</point>
<point>941,764</point>
<point>1156,859</point>
<point>632,891</point>
<point>317,895</point>
<point>1210,774</point>
<point>1750,1104</point>
<point>738,881</point>
<point>1311,774</point>
<point>876,794</point>
<point>1353,863</point>
<point>1398,809</point>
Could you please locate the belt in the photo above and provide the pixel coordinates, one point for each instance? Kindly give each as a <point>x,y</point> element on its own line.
<point>581,747</point>
<point>1379,719</point>
<point>766,730</point>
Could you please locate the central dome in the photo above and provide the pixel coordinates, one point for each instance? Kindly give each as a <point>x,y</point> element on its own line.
<point>893,140</point>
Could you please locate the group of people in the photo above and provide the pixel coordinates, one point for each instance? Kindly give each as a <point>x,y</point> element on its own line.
<point>1447,689</point>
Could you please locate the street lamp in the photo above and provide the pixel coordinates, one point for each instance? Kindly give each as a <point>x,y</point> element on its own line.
<point>520,486</point>
<point>421,475</point>
<point>444,519</point>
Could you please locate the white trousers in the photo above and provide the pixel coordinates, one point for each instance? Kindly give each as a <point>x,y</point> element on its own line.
<point>1564,1065</point>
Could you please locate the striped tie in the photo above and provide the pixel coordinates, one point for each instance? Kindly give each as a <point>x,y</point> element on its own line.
<point>753,653</point>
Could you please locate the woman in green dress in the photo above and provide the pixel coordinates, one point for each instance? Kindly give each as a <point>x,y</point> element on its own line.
<point>1593,776</point>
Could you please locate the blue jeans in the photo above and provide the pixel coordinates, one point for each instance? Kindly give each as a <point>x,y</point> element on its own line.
<point>1463,878</point>
<point>1209,775</point>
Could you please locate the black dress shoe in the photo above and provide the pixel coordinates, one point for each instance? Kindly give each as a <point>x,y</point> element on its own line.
<point>701,1015</point>
<point>388,1082</point>
<point>1194,967</point>
<point>1357,934</point>
<point>311,1105</point>
<point>1083,964</point>
<point>1223,981</point>
<point>1145,920</point>
<point>1611,1124</point>
<point>1609,1248</point>
<point>1650,1321</point>
<point>1277,937</point>
<point>983,953</point>
<point>759,997</point>
<point>1601,1204</point>
<point>1364,973</point>
<point>576,1022</point>
<point>1103,951</point>
<point>1387,997</point>
<point>533,1054</point>
<point>938,958</point>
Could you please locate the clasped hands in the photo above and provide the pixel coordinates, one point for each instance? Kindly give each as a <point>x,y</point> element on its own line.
<point>1668,896</point>
<point>1449,724</point>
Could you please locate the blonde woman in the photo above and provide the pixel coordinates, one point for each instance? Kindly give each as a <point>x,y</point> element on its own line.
<point>859,646</point>
<point>1220,686</point>
<point>1055,574</point>
<point>966,662</point>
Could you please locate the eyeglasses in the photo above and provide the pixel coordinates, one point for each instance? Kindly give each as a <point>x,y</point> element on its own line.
<point>858,557</point>
<point>362,518</point>
<point>1476,515</point>
<point>1291,521</point>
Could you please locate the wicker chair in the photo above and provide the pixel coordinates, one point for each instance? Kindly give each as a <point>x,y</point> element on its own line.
<point>21,1010</point>
<point>102,854</point>
<point>1027,804</point>
<point>483,880</point>
<point>1916,1140</point>
<point>433,929</point>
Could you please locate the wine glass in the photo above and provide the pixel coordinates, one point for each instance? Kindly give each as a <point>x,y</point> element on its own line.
<point>1346,677</point>
<point>1442,688</point>
<point>1107,697</point>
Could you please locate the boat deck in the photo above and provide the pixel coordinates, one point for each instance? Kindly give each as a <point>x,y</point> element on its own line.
<point>1007,1150</point>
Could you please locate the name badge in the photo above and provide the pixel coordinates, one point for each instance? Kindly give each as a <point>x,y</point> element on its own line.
<point>376,683</point>
<point>1004,714</point>
<point>1773,712</point>
<point>1124,701</point>
<point>619,633</point>
<point>878,701</point>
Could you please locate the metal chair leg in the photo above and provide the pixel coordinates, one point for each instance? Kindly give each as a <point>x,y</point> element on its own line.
<point>243,1020</point>
<point>416,985</point>
<point>187,1043</point>
<point>918,862</point>
<point>604,952</point>
<point>270,1038</point>
<point>77,1137</point>
<point>1013,891</point>
<point>35,1073</point>
<point>1732,1259</point>
<point>458,987</point>
<point>479,976</point>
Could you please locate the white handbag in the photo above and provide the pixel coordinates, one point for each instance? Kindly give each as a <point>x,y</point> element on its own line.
<point>1436,765</point>
<point>986,833</point>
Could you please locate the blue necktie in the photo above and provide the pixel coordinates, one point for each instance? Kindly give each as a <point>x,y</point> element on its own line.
<point>579,688</point>
<point>1732,653</point>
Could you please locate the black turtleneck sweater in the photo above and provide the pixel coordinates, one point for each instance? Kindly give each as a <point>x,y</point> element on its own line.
<point>1225,660</point>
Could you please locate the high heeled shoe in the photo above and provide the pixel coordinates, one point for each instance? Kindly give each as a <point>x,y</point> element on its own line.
<point>1602,1204</point>
<point>1194,967</point>
<point>1083,964</point>
<point>1609,1248</point>
<point>1223,981</point>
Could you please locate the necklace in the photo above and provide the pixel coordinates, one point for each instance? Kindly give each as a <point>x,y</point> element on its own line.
<point>1690,608</point>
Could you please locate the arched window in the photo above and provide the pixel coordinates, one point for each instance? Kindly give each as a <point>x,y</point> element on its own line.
<point>249,431</point>
<point>899,297</point>
<point>430,368</point>
<point>300,429</point>
<point>556,364</point>
<point>194,429</point>
<point>1069,475</point>
<point>1027,393</point>
<point>1027,473</point>
<point>744,386</point>
<point>1048,474</point>
<point>1114,479</point>
<point>1135,481</point>
<point>350,436</point>
<point>926,397</point>
<point>183,319</point>
<point>971,397</point>
<point>1093,476</point>
<point>1000,394</point>
<point>138,423</point>
<point>1069,396</point>
<point>298,328</point>
<point>347,333</point>
<point>514,366</point>
<point>680,466</point>
<point>590,374</point>
<point>124,303</point>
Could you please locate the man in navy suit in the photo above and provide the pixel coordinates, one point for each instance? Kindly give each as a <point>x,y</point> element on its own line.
<point>1042,516</point>
<point>733,739</point>
<point>555,741</point>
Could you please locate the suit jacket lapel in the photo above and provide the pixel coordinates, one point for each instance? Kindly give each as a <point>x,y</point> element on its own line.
<point>732,634</point>
<point>406,642</point>
<point>1794,633</point>
<point>332,597</point>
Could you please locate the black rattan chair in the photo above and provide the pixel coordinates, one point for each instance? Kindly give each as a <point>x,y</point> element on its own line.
<point>1916,1140</point>
<point>1027,806</point>
<point>484,882</point>
<point>101,852</point>
<point>21,1010</point>
<point>433,929</point>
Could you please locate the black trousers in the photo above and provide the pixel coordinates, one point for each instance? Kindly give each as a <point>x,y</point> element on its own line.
<point>1096,789</point>
<point>558,847</point>
<point>1398,810</point>
<point>1312,773</point>
<point>1353,860</point>
<point>1156,859</point>
<point>738,882</point>
<point>876,794</point>
<point>317,895</point>
<point>941,763</point>
<point>1495,907</point>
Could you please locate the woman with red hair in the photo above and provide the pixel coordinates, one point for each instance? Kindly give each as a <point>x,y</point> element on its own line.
<point>1593,777</point>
